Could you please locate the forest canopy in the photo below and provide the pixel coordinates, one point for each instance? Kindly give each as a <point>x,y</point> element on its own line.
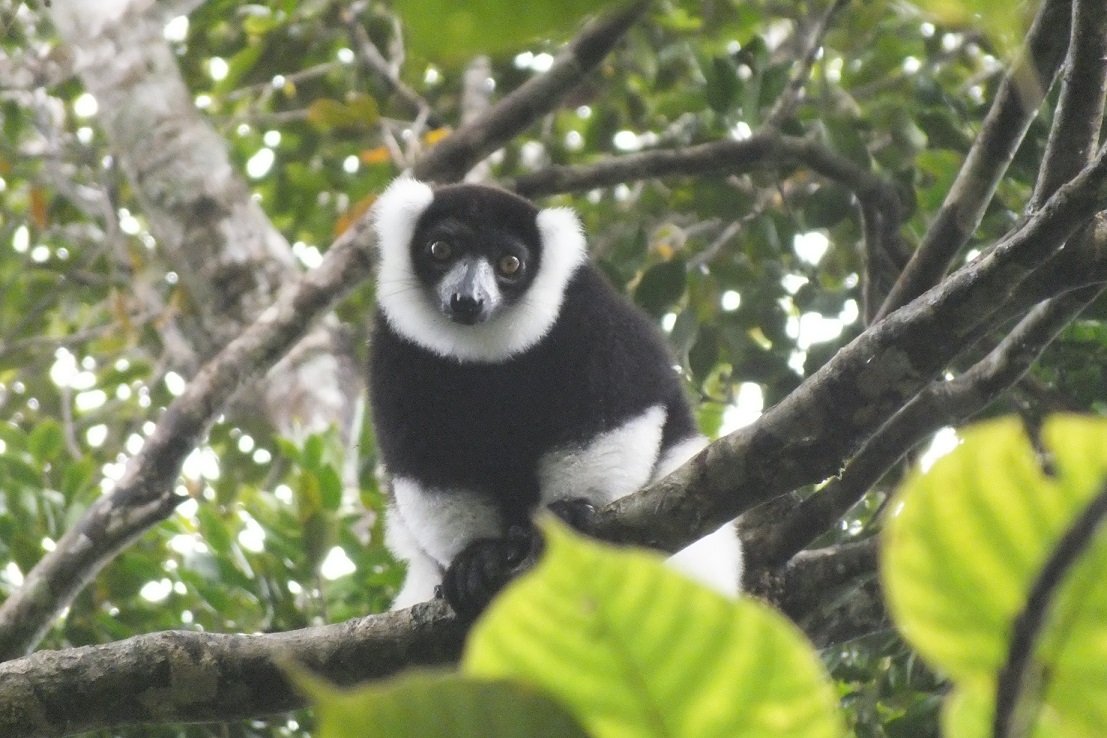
<point>861,226</point>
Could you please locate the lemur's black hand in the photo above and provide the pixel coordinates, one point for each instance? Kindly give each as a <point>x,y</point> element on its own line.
<point>485,566</point>
<point>577,512</point>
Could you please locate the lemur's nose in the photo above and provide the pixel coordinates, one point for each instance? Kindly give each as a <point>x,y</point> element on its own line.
<point>465,309</point>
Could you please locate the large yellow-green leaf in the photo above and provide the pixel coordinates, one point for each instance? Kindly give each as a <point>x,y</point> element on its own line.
<point>634,649</point>
<point>968,542</point>
<point>967,713</point>
<point>422,705</point>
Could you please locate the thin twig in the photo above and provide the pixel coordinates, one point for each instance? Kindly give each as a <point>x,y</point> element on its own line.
<point>458,153</point>
<point>790,97</point>
<point>375,60</point>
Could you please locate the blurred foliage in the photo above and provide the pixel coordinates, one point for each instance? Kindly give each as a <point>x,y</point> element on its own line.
<point>968,547</point>
<point>280,533</point>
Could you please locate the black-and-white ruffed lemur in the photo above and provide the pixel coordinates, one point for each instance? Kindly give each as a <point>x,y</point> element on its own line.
<point>506,375</point>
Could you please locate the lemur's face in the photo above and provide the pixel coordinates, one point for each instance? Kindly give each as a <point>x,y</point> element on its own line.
<point>470,272</point>
<point>475,252</point>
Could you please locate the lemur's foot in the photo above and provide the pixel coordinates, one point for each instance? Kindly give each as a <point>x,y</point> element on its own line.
<point>485,566</point>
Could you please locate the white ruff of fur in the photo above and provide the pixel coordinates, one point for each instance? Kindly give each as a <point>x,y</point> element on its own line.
<point>414,315</point>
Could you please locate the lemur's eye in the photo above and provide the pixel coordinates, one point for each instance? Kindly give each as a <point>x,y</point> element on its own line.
<point>509,265</point>
<point>440,250</point>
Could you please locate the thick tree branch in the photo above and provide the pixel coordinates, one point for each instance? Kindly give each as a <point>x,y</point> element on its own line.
<point>144,496</point>
<point>831,593</point>
<point>804,438</point>
<point>182,676</point>
<point>1021,92</point>
<point>765,147</point>
<point>1079,116</point>
<point>941,403</point>
<point>458,153</point>
<point>1083,261</point>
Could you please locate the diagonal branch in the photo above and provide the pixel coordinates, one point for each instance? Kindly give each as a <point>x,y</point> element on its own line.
<point>1079,117</point>
<point>804,438</point>
<point>375,60</point>
<point>940,404</point>
<point>1021,92</point>
<point>1083,261</point>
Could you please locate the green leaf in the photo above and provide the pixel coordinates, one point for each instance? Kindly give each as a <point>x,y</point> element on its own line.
<point>360,113</point>
<point>661,286</point>
<point>969,540</point>
<point>214,529</point>
<point>429,704</point>
<point>968,714</point>
<point>46,440</point>
<point>452,31</point>
<point>635,649</point>
<point>827,206</point>
<point>330,488</point>
<point>722,82</point>
<point>79,475</point>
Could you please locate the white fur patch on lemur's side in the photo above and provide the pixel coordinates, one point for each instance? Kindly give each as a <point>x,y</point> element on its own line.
<point>415,315</point>
<point>442,522</point>
<point>716,559</point>
<point>611,465</point>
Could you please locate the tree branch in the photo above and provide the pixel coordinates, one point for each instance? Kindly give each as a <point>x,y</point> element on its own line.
<point>765,147</point>
<point>458,153</point>
<point>941,403</point>
<point>1079,117</point>
<point>375,60</point>
<point>185,676</point>
<point>1021,92</point>
<point>803,439</point>
<point>1083,261</point>
<point>790,97</point>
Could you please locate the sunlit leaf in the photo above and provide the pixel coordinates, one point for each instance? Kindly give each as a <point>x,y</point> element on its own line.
<point>969,538</point>
<point>635,649</point>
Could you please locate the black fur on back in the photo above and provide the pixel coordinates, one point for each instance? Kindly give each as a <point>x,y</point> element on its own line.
<point>484,426</point>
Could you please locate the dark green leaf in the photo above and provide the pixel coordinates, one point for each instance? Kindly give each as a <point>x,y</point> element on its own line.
<point>661,286</point>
